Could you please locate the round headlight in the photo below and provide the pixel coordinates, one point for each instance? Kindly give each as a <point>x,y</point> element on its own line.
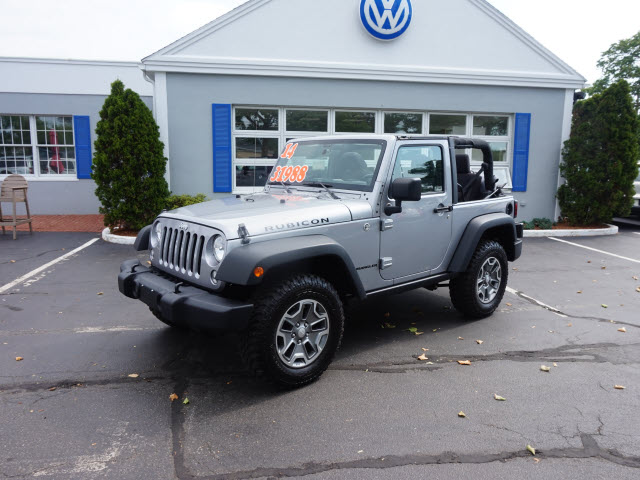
<point>156,235</point>
<point>219,248</point>
<point>158,230</point>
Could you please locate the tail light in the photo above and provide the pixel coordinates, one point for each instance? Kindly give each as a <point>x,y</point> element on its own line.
<point>515,209</point>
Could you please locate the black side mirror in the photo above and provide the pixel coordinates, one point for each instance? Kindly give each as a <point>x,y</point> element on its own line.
<point>403,190</point>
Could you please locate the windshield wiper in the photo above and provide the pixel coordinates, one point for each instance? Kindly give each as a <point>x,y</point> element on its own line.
<point>323,185</point>
<point>284,185</point>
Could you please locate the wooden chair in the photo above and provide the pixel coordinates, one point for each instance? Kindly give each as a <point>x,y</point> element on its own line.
<point>14,190</point>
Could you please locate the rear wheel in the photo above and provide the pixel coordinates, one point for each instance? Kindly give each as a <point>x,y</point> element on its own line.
<point>295,330</point>
<point>477,293</point>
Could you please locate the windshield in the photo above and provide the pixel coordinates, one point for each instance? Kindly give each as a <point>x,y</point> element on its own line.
<point>342,164</point>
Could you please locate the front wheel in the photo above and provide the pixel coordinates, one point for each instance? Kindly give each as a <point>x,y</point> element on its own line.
<point>295,330</point>
<point>477,293</point>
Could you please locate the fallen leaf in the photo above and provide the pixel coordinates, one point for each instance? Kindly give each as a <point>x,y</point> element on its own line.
<point>360,451</point>
<point>619,387</point>
<point>499,398</point>
<point>186,401</point>
<point>579,291</point>
<point>623,330</point>
<point>479,342</point>
<point>389,325</point>
<point>429,363</point>
<point>173,397</point>
<point>464,362</point>
<point>412,330</point>
<point>148,262</point>
<point>569,324</point>
<point>531,449</point>
<point>419,333</point>
<point>588,261</point>
<point>603,268</point>
<point>425,349</point>
<point>435,329</point>
<point>537,460</point>
<point>515,269</point>
<point>100,293</point>
<point>555,364</point>
<point>462,415</point>
<point>604,305</point>
<point>460,338</point>
<point>635,278</point>
<point>423,357</point>
<point>93,444</point>
<point>229,382</point>
<point>509,304</point>
<point>544,368</point>
<point>638,289</point>
<point>133,375</point>
<point>13,261</point>
<point>19,359</point>
<point>52,389</point>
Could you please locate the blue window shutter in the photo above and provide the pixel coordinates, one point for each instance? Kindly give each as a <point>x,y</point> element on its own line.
<point>82,131</point>
<point>222,164</point>
<point>521,152</point>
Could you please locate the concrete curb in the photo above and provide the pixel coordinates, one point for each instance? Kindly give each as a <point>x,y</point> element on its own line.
<point>107,236</point>
<point>591,232</point>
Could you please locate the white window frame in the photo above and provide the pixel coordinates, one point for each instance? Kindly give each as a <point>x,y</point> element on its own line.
<point>35,147</point>
<point>404,112</point>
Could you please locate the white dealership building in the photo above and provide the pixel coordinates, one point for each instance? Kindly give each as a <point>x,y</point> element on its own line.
<point>228,96</point>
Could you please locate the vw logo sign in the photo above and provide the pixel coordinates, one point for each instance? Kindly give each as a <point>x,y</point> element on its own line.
<point>386,19</point>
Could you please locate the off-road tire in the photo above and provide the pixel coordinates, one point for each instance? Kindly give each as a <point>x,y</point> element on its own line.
<point>463,289</point>
<point>259,349</point>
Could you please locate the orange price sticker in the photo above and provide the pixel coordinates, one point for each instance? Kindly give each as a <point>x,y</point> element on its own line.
<point>289,150</point>
<point>295,174</point>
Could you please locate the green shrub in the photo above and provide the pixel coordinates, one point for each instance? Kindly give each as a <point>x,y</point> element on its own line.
<point>600,158</point>
<point>177,201</point>
<point>129,163</point>
<point>541,223</point>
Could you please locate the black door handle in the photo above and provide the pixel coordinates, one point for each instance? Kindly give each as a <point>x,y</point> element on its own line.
<point>441,209</point>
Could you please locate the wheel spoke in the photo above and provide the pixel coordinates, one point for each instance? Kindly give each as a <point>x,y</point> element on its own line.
<point>489,280</point>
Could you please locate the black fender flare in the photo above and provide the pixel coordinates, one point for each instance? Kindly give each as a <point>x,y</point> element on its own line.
<point>142,240</point>
<point>237,268</point>
<point>476,228</point>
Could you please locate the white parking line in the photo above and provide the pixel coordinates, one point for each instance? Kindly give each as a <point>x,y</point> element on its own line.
<point>594,250</point>
<point>537,302</point>
<point>10,285</point>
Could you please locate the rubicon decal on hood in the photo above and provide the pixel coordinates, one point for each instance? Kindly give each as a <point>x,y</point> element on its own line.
<point>303,223</point>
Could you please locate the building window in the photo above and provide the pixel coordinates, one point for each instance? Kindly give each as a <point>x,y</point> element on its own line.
<point>485,125</point>
<point>39,146</point>
<point>55,145</point>
<point>307,121</point>
<point>440,124</point>
<point>355,122</point>
<point>402,123</point>
<point>256,119</point>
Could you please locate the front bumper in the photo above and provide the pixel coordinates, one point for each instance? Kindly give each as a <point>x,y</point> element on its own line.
<point>180,304</point>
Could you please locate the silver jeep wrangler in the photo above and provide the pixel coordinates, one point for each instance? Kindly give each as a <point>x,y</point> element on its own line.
<point>340,218</point>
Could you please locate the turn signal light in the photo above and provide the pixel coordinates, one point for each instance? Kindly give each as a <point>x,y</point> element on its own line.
<point>258,272</point>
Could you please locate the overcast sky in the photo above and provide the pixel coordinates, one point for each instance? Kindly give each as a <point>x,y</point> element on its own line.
<point>578,31</point>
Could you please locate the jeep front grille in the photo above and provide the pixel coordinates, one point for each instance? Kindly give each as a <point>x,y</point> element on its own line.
<point>181,251</point>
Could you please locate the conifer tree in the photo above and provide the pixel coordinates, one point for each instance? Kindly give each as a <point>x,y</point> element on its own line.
<point>129,163</point>
<point>600,158</point>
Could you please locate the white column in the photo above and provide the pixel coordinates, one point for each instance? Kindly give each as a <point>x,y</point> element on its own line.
<point>161,113</point>
<point>566,133</point>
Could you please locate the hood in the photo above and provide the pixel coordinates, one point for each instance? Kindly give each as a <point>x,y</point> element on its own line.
<point>266,213</point>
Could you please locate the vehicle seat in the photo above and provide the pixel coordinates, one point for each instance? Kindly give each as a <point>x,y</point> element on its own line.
<point>470,185</point>
<point>351,166</point>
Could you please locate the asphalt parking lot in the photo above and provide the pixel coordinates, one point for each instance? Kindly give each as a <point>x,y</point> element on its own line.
<point>71,410</point>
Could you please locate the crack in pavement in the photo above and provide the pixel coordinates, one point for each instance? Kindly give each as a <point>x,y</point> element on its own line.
<point>564,353</point>
<point>590,449</point>
<point>29,258</point>
<point>551,309</point>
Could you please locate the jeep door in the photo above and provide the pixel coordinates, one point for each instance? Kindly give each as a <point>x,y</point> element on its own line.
<point>415,241</point>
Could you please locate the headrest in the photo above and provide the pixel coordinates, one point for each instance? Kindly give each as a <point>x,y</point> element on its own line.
<point>463,164</point>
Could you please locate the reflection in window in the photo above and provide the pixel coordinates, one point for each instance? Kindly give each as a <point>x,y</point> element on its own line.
<point>307,121</point>
<point>355,122</point>
<point>14,158</point>
<point>423,162</point>
<point>55,145</point>
<point>252,176</point>
<point>447,124</point>
<point>498,150</point>
<point>490,126</point>
<point>256,119</point>
<point>257,148</point>
<point>402,123</point>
